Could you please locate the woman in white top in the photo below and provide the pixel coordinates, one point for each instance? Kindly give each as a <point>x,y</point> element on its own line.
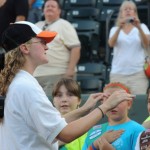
<point>30,121</point>
<point>129,38</point>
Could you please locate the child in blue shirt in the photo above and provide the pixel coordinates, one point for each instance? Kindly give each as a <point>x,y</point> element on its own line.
<point>118,119</point>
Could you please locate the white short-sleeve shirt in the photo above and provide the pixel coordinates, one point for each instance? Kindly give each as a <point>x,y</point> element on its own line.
<point>30,120</point>
<point>128,52</point>
<point>58,52</point>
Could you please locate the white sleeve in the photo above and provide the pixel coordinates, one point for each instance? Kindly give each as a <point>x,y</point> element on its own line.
<point>112,31</point>
<point>137,146</point>
<point>145,28</point>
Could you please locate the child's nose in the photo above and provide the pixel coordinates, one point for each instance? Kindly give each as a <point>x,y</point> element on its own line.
<point>64,98</point>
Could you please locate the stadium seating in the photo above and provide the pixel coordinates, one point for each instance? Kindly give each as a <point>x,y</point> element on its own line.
<point>69,4</point>
<point>91,77</point>
<point>88,32</point>
<point>90,13</point>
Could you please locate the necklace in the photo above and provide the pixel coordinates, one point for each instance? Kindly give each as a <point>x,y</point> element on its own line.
<point>49,23</point>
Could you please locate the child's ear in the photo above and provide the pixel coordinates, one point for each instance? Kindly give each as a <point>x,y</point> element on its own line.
<point>129,104</point>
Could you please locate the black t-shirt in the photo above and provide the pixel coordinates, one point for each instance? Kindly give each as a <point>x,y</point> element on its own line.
<point>10,10</point>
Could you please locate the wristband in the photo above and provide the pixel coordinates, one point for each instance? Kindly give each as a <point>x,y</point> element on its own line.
<point>93,147</point>
<point>101,111</point>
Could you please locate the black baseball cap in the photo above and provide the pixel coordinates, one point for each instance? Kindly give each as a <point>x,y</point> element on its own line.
<point>21,32</point>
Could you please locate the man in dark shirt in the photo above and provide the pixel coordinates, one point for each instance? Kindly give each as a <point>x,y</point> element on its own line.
<point>11,11</point>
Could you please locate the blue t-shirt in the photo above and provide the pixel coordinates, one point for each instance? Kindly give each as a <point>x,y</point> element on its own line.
<point>38,4</point>
<point>126,141</point>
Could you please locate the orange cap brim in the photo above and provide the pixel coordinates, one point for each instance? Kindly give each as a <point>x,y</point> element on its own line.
<point>47,35</point>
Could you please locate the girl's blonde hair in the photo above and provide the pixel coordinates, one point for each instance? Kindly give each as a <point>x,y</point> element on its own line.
<point>14,60</point>
<point>124,4</point>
